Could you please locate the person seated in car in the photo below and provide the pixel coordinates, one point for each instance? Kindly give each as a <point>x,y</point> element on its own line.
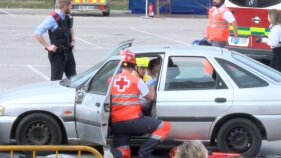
<point>153,71</point>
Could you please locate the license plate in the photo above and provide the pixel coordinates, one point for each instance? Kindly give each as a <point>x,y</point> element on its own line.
<point>82,7</point>
<point>242,42</point>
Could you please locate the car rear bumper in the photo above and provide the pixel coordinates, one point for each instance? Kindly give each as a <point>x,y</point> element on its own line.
<point>253,53</point>
<point>6,123</point>
<point>272,126</point>
<point>97,7</point>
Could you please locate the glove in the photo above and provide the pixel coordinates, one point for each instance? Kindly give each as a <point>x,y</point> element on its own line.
<point>154,83</point>
<point>235,40</point>
<point>259,39</point>
<point>262,39</point>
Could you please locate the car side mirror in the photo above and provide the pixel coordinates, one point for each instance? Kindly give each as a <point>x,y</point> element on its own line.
<point>79,96</point>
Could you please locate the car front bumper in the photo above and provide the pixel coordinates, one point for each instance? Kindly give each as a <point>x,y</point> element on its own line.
<point>6,123</point>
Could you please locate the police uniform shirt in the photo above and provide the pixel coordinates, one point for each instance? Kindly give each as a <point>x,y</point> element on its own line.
<point>274,37</point>
<point>49,24</point>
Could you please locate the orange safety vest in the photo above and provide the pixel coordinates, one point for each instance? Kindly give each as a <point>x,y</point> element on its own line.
<point>217,27</point>
<point>125,94</point>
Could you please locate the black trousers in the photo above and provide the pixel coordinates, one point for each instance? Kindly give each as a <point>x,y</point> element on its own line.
<point>122,131</point>
<point>62,63</point>
<point>276,59</point>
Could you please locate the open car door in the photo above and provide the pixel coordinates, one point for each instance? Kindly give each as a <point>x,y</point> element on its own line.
<point>93,104</point>
<point>119,47</point>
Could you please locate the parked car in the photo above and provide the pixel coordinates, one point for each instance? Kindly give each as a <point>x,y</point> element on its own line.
<point>207,93</point>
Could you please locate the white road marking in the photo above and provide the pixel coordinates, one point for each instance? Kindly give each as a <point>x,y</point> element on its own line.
<point>89,43</point>
<point>159,36</point>
<point>3,11</point>
<point>38,72</point>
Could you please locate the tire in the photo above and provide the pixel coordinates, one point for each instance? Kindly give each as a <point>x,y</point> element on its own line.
<point>106,13</point>
<point>239,136</point>
<point>38,129</point>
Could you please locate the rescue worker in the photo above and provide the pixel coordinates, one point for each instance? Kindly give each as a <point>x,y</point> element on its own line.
<point>274,38</point>
<point>218,27</point>
<point>141,68</point>
<point>60,28</point>
<point>126,113</point>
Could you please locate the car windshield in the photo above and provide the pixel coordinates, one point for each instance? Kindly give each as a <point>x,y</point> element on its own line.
<point>255,3</point>
<point>259,67</point>
<point>77,80</point>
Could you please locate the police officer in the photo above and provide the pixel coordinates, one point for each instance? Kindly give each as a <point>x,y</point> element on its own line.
<point>274,38</point>
<point>218,27</point>
<point>60,28</point>
<point>126,113</point>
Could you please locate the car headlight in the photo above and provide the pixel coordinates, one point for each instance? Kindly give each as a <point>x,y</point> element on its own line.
<point>2,110</point>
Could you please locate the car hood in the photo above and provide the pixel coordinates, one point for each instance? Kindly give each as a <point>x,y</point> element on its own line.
<point>46,92</point>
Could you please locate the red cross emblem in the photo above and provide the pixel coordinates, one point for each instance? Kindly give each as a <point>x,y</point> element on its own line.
<point>122,83</point>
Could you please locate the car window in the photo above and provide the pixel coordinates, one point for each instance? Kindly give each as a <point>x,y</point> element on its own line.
<point>191,73</point>
<point>255,3</point>
<point>242,77</point>
<point>81,78</point>
<point>101,80</point>
<point>259,67</point>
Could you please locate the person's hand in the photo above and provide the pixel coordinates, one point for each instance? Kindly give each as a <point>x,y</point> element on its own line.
<point>235,40</point>
<point>264,40</point>
<point>259,39</point>
<point>153,84</point>
<point>52,48</point>
<point>73,43</point>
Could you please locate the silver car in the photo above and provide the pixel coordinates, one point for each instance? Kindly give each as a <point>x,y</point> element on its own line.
<point>206,93</point>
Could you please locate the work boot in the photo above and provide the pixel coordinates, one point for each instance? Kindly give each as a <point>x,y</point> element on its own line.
<point>107,152</point>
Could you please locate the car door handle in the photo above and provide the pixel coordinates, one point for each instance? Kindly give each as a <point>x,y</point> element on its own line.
<point>220,100</point>
<point>98,104</point>
<point>107,107</point>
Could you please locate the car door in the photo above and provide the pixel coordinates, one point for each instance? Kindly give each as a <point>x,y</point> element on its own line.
<point>93,104</point>
<point>192,94</point>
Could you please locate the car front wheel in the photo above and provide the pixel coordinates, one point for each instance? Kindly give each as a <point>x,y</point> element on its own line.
<point>239,136</point>
<point>38,129</point>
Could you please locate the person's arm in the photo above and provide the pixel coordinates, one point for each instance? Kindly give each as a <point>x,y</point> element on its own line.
<point>151,95</point>
<point>228,16</point>
<point>41,40</point>
<point>273,38</point>
<point>46,25</point>
<point>72,37</point>
<point>148,93</point>
<point>235,28</point>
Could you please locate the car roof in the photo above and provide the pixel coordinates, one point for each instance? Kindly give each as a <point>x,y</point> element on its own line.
<point>180,50</point>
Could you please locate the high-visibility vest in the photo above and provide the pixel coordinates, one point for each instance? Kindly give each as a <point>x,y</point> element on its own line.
<point>218,28</point>
<point>125,94</point>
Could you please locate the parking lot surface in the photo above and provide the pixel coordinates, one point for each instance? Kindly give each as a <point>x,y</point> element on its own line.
<point>24,61</point>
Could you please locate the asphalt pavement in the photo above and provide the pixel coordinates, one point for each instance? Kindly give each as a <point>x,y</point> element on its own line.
<point>24,61</point>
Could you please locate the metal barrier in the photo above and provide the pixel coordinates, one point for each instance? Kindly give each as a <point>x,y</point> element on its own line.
<point>56,149</point>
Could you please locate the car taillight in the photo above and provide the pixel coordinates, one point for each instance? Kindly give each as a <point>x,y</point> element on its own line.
<point>102,8</point>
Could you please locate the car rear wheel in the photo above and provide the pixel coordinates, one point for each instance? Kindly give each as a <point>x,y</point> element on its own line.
<point>38,129</point>
<point>106,13</point>
<point>239,136</point>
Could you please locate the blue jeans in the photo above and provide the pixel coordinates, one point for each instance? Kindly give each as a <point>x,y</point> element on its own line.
<point>219,44</point>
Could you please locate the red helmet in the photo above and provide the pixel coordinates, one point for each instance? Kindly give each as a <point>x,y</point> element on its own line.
<point>129,57</point>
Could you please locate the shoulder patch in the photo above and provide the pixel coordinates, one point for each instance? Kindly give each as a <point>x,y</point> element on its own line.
<point>55,16</point>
